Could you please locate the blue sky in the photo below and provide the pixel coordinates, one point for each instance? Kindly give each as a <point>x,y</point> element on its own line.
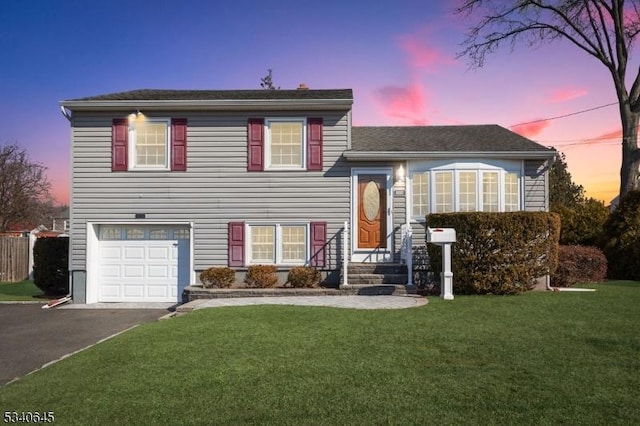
<point>399,57</point>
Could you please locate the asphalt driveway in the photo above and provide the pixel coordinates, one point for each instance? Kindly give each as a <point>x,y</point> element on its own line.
<point>31,337</point>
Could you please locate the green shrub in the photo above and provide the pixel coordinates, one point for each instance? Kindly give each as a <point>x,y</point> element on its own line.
<point>579,264</point>
<point>304,276</point>
<point>498,253</point>
<point>262,276</point>
<point>51,265</point>
<point>220,277</point>
<point>621,239</point>
<point>581,224</point>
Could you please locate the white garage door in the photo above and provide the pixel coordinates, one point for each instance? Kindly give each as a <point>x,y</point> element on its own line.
<point>143,263</point>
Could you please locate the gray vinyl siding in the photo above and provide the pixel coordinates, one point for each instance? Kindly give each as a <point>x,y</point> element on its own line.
<point>536,194</point>
<point>216,188</point>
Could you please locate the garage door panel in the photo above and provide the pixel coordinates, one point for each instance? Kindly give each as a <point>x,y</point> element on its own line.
<point>111,253</point>
<point>160,253</point>
<point>143,270</point>
<point>133,290</point>
<point>159,271</point>
<point>133,271</point>
<point>136,252</point>
<point>157,291</point>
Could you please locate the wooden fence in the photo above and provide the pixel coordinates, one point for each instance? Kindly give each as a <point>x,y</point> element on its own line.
<point>14,259</point>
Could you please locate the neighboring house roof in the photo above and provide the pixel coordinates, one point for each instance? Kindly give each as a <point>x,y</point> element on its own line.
<point>442,141</point>
<point>216,99</point>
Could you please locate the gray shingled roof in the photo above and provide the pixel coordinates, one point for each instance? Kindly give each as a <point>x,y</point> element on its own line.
<point>473,138</point>
<point>204,95</point>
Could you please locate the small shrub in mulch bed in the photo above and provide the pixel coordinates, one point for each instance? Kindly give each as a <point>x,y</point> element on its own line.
<point>218,277</point>
<point>304,277</point>
<point>263,276</point>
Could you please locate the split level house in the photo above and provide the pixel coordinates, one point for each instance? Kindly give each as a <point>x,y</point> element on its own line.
<point>167,183</point>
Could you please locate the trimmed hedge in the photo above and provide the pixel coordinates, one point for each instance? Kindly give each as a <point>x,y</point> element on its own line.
<point>262,276</point>
<point>304,276</point>
<point>622,239</point>
<point>579,264</point>
<point>498,253</point>
<point>218,277</point>
<point>51,265</point>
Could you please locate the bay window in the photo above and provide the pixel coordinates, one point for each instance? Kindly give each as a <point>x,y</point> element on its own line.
<point>464,187</point>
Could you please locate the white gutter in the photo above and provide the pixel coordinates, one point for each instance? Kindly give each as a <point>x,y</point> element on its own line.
<point>403,155</point>
<point>208,104</point>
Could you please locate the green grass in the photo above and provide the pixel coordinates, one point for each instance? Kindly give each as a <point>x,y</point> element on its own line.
<point>19,292</point>
<point>540,358</point>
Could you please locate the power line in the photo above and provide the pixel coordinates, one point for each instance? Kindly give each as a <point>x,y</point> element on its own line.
<point>565,115</point>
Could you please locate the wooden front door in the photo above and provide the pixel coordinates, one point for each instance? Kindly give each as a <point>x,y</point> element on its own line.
<point>372,211</point>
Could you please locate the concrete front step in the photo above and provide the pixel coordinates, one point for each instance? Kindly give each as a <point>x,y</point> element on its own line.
<point>379,290</point>
<point>377,279</point>
<point>376,268</point>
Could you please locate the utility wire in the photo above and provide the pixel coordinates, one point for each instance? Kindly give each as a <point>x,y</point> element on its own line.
<point>565,115</point>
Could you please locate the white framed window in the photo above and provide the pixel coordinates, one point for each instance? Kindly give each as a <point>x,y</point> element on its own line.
<point>420,194</point>
<point>443,187</point>
<point>285,146</point>
<point>263,241</point>
<point>149,144</point>
<point>511,192</point>
<point>467,191</point>
<point>443,192</point>
<point>278,244</point>
<point>490,200</point>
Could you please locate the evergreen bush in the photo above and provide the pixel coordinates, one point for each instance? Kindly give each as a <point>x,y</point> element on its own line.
<point>498,253</point>
<point>621,239</point>
<point>51,265</point>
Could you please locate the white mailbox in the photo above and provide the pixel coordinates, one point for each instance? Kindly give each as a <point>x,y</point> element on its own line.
<point>444,237</point>
<point>441,235</point>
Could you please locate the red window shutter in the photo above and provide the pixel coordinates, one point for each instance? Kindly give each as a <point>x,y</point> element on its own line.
<point>119,144</point>
<point>318,243</point>
<point>314,144</point>
<point>179,144</point>
<point>255,145</point>
<point>236,244</point>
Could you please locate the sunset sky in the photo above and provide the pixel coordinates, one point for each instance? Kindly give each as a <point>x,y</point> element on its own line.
<point>399,57</point>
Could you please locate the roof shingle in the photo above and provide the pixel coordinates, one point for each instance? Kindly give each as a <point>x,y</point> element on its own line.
<point>204,95</point>
<point>472,138</point>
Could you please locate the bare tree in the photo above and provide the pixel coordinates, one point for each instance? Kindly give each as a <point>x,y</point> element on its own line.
<point>604,29</point>
<point>266,82</point>
<point>24,188</point>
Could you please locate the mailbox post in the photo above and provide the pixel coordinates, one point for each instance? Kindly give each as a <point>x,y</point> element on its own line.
<point>444,237</point>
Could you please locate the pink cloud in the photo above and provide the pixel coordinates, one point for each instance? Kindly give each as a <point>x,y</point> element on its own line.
<point>420,54</point>
<point>529,130</point>
<point>407,103</point>
<point>563,95</point>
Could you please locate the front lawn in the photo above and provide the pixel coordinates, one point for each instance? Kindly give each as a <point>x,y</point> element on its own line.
<point>19,292</point>
<point>538,358</point>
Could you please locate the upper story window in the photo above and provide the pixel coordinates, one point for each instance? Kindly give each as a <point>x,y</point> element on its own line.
<point>150,144</point>
<point>463,187</point>
<point>285,143</point>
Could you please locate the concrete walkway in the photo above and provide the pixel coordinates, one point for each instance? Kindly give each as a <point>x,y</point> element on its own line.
<point>352,302</point>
